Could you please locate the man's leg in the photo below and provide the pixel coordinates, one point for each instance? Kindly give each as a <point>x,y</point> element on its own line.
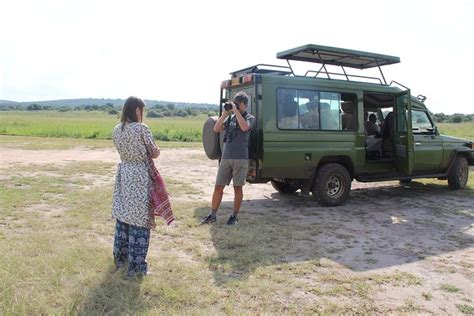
<point>239,175</point>
<point>238,196</point>
<point>216,202</point>
<point>217,196</point>
<point>224,175</point>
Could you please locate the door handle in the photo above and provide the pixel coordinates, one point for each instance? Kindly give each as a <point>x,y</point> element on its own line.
<point>417,144</point>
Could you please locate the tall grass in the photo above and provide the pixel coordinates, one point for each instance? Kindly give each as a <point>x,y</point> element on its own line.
<point>463,130</point>
<point>99,125</point>
<point>94,124</point>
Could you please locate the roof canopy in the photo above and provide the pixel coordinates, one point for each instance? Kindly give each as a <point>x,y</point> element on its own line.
<point>337,56</point>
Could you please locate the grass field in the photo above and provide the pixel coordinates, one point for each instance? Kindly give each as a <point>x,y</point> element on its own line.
<point>94,124</point>
<point>461,130</point>
<point>99,125</point>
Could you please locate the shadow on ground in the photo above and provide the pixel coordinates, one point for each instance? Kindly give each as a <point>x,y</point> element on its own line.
<point>113,295</point>
<point>376,228</point>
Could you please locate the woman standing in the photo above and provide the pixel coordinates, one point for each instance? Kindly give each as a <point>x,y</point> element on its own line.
<point>130,206</point>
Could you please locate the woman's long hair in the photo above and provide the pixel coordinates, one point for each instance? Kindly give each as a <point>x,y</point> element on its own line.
<point>129,111</point>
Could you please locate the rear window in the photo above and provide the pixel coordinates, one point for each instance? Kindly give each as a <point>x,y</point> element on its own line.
<point>250,92</point>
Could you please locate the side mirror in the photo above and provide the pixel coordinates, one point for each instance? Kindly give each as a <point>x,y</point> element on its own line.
<point>435,130</point>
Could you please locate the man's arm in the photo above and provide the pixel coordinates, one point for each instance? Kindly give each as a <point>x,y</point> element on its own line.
<point>219,126</point>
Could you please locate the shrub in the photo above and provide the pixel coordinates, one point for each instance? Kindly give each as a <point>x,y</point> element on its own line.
<point>33,107</point>
<point>456,119</point>
<point>152,113</point>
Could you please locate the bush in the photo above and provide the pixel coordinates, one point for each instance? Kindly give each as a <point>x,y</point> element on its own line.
<point>33,107</point>
<point>456,119</point>
<point>181,113</point>
<point>167,113</point>
<point>152,113</point>
<point>113,112</point>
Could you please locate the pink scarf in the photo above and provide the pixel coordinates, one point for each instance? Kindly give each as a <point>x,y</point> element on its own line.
<point>159,197</point>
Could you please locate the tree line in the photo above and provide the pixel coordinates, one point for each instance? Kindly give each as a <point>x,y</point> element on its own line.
<point>155,110</point>
<point>158,110</point>
<point>453,118</point>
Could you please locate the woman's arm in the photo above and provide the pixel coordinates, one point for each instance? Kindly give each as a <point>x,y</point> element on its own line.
<point>150,143</point>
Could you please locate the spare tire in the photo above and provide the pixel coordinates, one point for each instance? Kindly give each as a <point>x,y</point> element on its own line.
<point>210,139</point>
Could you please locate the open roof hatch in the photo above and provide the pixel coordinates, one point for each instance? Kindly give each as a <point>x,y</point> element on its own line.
<point>326,55</point>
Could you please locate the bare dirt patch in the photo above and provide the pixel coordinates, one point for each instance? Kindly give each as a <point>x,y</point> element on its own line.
<point>419,237</point>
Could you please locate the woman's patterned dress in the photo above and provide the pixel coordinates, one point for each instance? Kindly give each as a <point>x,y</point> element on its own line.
<point>132,183</point>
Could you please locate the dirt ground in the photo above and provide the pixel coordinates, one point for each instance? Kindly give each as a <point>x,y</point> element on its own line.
<point>423,230</point>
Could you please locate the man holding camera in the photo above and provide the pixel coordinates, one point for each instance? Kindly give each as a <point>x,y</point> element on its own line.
<point>234,164</point>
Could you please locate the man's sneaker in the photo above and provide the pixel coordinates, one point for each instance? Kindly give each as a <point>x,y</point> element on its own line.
<point>209,219</point>
<point>232,220</point>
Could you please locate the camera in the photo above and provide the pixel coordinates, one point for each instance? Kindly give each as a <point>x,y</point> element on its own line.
<point>228,106</point>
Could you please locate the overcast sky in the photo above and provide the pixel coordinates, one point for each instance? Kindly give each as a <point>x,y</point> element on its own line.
<point>181,50</point>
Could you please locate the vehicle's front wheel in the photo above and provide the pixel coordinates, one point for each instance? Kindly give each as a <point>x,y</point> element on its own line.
<point>459,173</point>
<point>284,187</point>
<point>332,185</point>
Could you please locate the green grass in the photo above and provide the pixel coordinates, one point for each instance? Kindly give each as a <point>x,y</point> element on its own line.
<point>465,309</point>
<point>99,125</point>
<point>449,288</point>
<point>94,125</point>
<point>462,130</point>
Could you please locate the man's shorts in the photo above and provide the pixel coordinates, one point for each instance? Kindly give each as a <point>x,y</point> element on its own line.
<point>235,169</point>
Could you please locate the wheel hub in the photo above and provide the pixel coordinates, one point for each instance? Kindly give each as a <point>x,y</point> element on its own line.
<point>334,186</point>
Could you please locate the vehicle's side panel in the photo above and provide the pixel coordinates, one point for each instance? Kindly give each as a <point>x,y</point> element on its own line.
<point>296,153</point>
<point>428,144</point>
<point>428,153</point>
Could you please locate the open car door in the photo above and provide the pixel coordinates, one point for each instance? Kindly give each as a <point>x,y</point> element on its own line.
<point>403,135</point>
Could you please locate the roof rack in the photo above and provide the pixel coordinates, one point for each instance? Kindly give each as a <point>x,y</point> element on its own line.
<point>421,98</point>
<point>263,69</point>
<point>341,57</point>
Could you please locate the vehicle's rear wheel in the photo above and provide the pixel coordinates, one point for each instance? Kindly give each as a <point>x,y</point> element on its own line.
<point>459,173</point>
<point>332,185</point>
<point>284,187</point>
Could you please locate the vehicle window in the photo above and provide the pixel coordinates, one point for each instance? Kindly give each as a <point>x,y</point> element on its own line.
<point>421,122</point>
<point>385,111</point>
<point>315,110</point>
<point>367,114</point>
<point>329,109</point>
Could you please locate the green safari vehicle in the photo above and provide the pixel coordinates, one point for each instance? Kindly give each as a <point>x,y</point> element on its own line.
<point>318,131</point>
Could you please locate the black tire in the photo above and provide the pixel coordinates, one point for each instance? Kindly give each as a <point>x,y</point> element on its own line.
<point>459,173</point>
<point>332,185</point>
<point>210,139</point>
<point>284,187</point>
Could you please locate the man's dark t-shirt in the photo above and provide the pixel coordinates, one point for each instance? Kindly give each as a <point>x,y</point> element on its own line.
<point>237,142</point>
